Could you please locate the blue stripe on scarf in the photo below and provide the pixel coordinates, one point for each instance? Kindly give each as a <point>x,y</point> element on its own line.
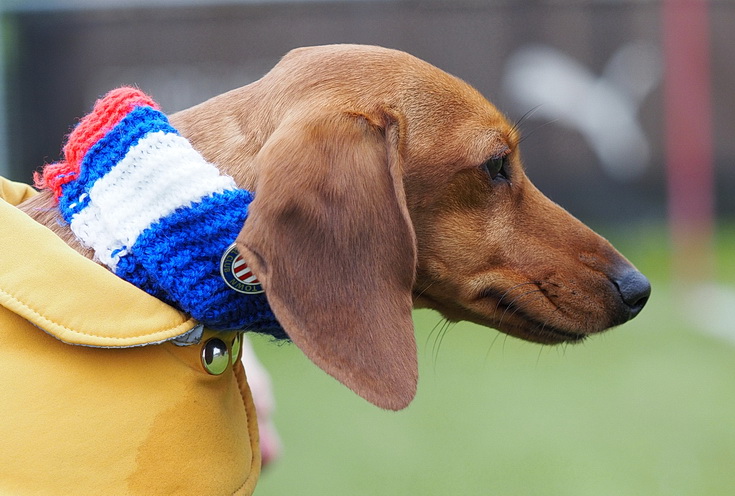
<point>104,155</point>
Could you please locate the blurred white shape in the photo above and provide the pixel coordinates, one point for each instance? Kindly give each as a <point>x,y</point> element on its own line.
<point>603,109</point>
<point>635,69</point>
<point>710,308</point>
<point>262,390</point>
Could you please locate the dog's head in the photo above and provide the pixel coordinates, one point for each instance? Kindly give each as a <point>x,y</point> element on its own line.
<point>383,183</point>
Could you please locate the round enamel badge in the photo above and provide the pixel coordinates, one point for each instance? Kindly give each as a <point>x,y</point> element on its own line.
<point>236,273</point>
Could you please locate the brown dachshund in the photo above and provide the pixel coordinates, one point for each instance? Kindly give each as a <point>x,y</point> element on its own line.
<point>383,184</point>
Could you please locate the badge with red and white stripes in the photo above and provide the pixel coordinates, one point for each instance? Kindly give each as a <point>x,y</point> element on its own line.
<point>236,273</point>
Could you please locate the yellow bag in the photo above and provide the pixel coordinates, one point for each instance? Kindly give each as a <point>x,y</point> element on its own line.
<point>101,391</point>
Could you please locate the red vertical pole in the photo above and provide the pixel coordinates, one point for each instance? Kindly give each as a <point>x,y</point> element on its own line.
<point>688,136</point>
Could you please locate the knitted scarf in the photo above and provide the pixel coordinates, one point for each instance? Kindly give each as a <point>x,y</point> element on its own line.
<point>157,214</point>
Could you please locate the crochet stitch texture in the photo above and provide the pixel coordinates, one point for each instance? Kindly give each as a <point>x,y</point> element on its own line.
<point>154,211</point>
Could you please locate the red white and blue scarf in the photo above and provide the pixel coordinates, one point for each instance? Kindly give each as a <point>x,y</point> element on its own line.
<point>157,214</point>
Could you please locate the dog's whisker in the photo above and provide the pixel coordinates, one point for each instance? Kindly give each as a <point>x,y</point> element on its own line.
<point>422,291</point>
<point>512,288</point>
<point>446,325</point>
<point>505,340</point>
<point>538,357</point>
<point>513,303</point>
<point>434,345</point>
<point>540,126</point>
<point>517,125</point>
<point>516,309</point>
<point>433,330</point>
<point>546,321</point>
<point>440,339</point>
<point>492,345</point>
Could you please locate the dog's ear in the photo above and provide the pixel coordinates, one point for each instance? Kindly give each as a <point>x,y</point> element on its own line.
<point>330,238</point>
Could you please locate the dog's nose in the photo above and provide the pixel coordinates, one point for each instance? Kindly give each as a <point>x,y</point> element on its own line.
<point>635,289</point>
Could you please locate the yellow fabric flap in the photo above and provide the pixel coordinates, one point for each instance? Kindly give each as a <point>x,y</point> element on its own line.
<point>72,298</point>
<point>15,193</point>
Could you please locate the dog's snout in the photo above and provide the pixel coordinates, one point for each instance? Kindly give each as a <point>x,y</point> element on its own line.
<point>634,289</point>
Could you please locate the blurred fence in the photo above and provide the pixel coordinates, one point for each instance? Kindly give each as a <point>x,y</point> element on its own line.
<point>589,72</point>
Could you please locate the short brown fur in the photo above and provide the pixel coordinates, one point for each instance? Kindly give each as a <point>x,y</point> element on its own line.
<point>371,200</point>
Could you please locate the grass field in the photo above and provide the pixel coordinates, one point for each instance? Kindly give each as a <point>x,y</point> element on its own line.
<point>647,409</point>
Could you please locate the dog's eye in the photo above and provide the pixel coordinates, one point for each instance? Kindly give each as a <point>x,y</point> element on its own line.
<point>496,166</point>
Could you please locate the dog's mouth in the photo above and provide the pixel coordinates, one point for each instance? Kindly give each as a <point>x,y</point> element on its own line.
<point>510,317</point>
<point>505,315</point>
<point>542,333</point>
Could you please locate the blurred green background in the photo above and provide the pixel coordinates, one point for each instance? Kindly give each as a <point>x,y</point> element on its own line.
<point>644,409</point>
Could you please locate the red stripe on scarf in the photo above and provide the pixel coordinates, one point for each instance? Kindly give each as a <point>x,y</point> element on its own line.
<point>108,111</point>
